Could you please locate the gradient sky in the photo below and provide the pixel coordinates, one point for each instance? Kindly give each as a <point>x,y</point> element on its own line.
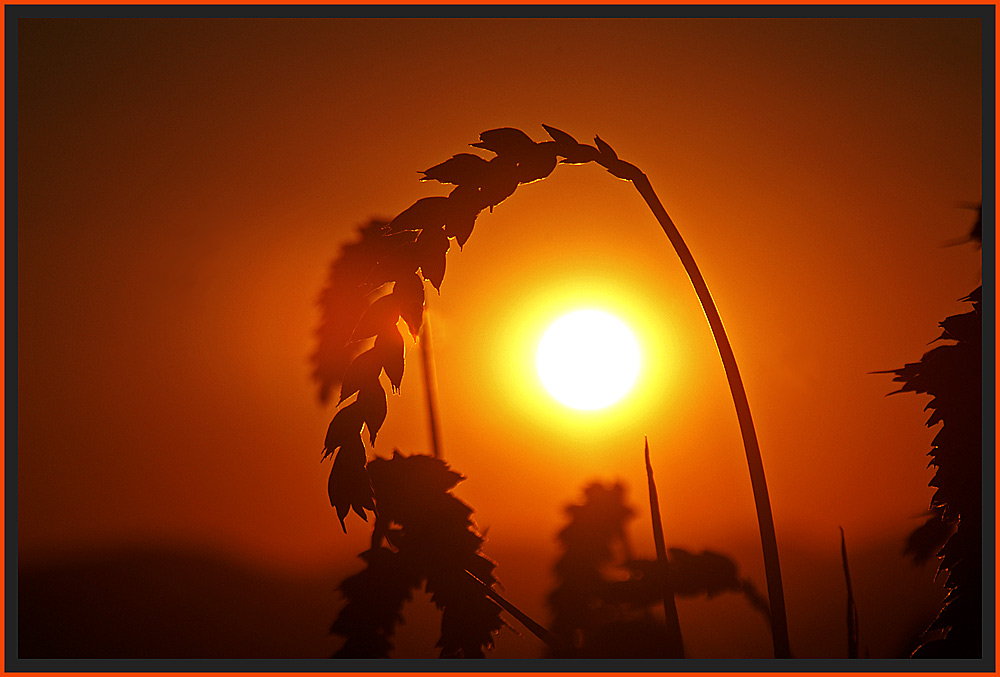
<point>184,184</point>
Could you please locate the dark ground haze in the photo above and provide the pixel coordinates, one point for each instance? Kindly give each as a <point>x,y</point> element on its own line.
<point>157,602</point>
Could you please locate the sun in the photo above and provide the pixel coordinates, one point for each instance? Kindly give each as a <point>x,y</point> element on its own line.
<point>588,359</point>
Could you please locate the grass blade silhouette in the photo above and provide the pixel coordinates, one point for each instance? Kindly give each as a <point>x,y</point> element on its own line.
<point>852,609</point>
<point>765,519</point>
<point>675,641</point>
<point>535,627</point>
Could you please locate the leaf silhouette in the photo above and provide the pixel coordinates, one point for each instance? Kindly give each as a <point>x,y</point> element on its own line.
<point>605,149</point>
<point>409,293</point>
<point>364,370</point>
<point>427,212</point>
<point>461,169</point>
<point>372,404</point>
<point>501,184</point>
<point>346,423</point>
<point>460,225</point>
<point>389,348</point>
<point>384,312</point>
<point>560,137</point>
<point>537,162</point>
<point>504,141</point>
<point>342,302</point>
<point>573,152</point>
<point>349,486</point>
<point>432,245</point>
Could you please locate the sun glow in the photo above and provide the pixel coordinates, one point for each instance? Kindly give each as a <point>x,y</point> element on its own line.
<point>588,359</point>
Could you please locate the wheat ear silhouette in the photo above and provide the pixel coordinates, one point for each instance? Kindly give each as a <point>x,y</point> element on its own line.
<point>413,249</point>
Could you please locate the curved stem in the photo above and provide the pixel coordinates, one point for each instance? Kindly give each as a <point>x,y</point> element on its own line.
<point>430,386</point>
<point>765,520</point>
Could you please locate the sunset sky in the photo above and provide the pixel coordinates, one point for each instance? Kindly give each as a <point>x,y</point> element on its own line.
<point>184,184</point>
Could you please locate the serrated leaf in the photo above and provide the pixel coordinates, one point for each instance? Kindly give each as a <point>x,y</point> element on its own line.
<point>462,169</point>
<point>605,149</point>
<point>372,404</point>
<point>426,212</point>
<point>389,347</point>
<point>364,369</point>
<point>409,293</point>
<point>432,244</point>
<point>384,312</point>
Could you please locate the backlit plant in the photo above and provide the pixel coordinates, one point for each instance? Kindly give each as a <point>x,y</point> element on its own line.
<point>380,281</point>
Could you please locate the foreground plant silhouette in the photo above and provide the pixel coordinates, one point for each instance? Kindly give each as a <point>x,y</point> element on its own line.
<point>365,341</point>
<point>952,375</point>
<point>430,540</point>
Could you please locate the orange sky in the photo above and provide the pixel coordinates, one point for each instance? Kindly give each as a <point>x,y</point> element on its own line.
<point>183,185</point>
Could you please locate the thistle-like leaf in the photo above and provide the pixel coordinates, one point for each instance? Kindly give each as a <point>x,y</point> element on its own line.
<point>389,348</point>
<point>505,140</point>
<point>365,369</point>
<point>384,312</point>
<point>462,169</point>
<point>409,293</point>
<point>432,244</point>
<point>427,212</point>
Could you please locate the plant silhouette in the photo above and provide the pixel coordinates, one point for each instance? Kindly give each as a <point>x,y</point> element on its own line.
<point>602,604</point>
<point>952,375</point>
<point>428,539</point>
<point>413,249</point>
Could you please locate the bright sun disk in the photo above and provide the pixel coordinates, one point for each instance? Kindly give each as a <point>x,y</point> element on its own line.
<point>588,359</point>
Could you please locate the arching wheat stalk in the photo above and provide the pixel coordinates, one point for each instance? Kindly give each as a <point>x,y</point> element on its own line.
<point>412,247</point>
